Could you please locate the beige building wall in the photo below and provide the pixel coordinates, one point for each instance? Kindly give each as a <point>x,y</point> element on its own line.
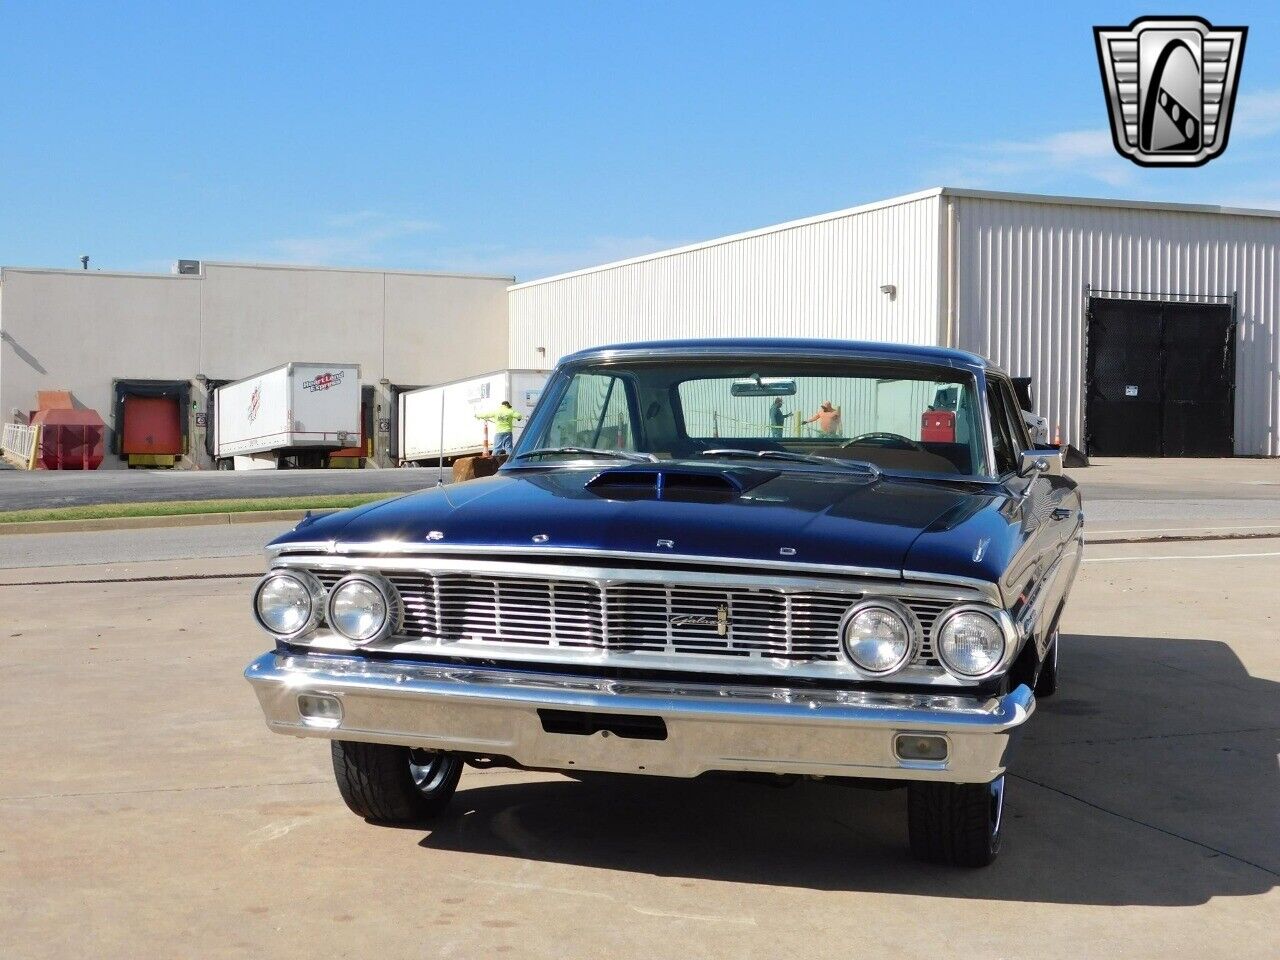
<point>81,330</point>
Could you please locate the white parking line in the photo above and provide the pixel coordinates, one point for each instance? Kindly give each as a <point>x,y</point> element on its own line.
<point>1184,556</point>
<point>1209,526</point>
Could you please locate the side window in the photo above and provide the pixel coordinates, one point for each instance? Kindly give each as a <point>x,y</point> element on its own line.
<point>1001,438</point>
<point>1021,435</point>
<point>594,412</point>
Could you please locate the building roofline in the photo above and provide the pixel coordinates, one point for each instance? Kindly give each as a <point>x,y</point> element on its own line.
<point>76,271</point>
<point>758,232</point>
<point>1054,200</point>
<point>449,274</point>
<point>137,274</point>
<point>961,192</point>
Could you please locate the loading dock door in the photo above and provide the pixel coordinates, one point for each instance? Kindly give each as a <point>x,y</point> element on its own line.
<point>152,425</point>
<point>1160,379</point>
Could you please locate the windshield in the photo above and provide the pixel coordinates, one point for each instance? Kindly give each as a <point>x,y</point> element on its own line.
<point>903,418</point>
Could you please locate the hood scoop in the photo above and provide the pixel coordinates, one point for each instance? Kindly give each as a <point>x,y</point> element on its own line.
<point>682,483</point>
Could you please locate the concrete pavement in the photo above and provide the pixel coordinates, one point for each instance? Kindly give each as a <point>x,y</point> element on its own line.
<point>148,811</point>
<point>134,546</point>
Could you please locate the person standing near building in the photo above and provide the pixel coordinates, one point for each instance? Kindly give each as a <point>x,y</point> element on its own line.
<point>827,419</point>
<point>777,418</point>
<point>504,421</point>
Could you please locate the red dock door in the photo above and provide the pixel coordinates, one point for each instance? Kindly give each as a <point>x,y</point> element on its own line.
<point>151,425</point>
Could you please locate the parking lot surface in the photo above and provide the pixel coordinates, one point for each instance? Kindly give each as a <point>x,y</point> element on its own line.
<point>22,490</point>
<point>148,811</point>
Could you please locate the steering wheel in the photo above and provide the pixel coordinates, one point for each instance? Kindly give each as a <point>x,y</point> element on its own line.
<point>896,441</point>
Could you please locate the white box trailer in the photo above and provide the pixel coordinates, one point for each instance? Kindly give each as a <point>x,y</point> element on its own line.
<point>297,412</point>
<point>441,421</point>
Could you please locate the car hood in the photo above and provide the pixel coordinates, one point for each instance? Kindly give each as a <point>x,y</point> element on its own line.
<point>809,517</point>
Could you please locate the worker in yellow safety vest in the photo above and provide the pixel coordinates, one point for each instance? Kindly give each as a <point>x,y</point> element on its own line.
<point>504,421</point>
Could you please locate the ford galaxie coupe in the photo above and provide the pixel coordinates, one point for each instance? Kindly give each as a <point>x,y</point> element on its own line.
<point>775,557</point>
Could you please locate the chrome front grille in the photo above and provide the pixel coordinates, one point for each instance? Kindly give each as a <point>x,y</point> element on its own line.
<point>633,617</point>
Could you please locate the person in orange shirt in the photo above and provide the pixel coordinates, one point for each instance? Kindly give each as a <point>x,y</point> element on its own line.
<point>827,418</point>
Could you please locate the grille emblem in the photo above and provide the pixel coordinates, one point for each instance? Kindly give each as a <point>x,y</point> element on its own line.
<point>720,621</point>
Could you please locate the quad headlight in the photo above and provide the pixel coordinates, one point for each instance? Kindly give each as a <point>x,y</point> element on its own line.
<point>364,607</point>
<point>971,643</point>
<point>880,637</point>
<point>288,603</point>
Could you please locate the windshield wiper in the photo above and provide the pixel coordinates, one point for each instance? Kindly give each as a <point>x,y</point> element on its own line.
<point>591,452</point>
<point>863,465</point>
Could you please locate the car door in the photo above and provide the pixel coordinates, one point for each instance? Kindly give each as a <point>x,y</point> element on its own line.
<point>1049,515</point>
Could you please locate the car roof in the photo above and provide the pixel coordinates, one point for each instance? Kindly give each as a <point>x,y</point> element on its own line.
<point>787,347</point>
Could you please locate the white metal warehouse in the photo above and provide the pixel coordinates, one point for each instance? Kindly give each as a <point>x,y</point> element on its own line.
<point>1183,302</point>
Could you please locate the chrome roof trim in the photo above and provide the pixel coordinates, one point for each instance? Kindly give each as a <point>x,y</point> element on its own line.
<point>783,348</point>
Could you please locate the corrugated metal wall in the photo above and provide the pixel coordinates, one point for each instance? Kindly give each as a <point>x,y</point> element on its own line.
<point>1023,266</point>
<point>819,278</point>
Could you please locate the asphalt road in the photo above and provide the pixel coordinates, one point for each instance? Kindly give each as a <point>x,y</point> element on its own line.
<point>1122,499</point>
<point>147,810</point>
<point>1214,482</point>
<point>21,490</point>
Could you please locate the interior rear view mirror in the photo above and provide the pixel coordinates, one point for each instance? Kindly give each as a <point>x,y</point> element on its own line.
<point>763,387</point>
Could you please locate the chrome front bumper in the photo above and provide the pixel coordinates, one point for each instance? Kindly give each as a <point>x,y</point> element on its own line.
<point>843,733</point>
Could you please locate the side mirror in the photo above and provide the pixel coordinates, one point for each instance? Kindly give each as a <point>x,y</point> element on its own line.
<point>1046,463</point>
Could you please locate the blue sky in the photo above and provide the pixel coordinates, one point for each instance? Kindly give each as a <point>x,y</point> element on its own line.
<point>533,138</point>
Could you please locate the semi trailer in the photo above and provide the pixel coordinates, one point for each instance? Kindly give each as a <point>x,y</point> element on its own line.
<point>441,423</point>
<point>293,415</point>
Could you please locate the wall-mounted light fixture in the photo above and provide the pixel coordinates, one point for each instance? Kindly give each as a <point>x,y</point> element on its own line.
<point>890,289</point>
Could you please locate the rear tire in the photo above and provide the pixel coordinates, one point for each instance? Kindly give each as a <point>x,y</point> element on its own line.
<point>1047,682</point>
<point>393,784</point>
<point>956,824</point>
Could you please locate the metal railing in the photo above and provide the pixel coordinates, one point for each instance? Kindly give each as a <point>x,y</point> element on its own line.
<point>21,445</point>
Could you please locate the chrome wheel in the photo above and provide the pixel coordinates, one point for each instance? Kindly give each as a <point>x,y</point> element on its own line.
<point>429,770</point>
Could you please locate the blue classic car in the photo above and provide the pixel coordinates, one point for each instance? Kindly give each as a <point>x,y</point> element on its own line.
<point>779,558</point>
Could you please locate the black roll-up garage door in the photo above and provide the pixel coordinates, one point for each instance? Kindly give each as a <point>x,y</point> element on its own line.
<point>1160,379</point>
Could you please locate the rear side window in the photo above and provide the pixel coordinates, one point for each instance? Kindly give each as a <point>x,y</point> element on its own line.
<point>1021,435</point>
<point>1001,438</point>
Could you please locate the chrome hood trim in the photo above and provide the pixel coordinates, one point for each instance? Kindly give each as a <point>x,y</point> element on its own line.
<point>398,554</point>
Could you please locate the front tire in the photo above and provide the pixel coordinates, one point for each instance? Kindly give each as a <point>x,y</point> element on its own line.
<point>1047,682</point>
<point>393,784</point>
<point>956,824</point>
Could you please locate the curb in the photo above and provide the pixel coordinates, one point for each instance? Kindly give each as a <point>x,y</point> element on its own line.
<point>137,523</point>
